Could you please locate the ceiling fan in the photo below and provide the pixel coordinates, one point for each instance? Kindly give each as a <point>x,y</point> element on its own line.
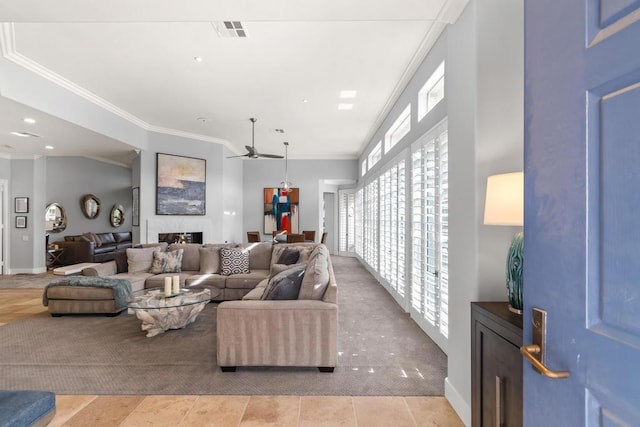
<point>252,153</point>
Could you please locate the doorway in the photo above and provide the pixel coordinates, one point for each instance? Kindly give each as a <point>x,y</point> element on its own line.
<point>329,219</point>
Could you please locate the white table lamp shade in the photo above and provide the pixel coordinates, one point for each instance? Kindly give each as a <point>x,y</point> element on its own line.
<point>504,201</point>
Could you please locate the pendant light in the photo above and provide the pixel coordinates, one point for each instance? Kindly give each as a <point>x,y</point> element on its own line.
<point>286,184</point>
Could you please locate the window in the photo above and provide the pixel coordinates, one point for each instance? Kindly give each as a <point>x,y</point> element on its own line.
<point>363,167</point>
<point>398,129</point>
<point>392,226</point>
<point>375,155</point>
<point>430,233</point>
<point>371,225</point>
<point>359,225</point>
<point>432,92</point>
<point>347,222</point>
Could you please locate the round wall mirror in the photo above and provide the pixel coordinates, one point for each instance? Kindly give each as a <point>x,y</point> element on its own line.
<point>117,216</point>
<point>55,218</point>
<point>90,206</point>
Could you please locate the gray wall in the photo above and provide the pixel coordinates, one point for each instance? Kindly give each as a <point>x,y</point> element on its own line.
<point>70,178</point>
<point>307,175</point>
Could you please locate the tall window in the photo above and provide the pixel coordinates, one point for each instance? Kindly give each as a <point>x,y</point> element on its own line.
<point>430,232</point>
<point>347,222</point>
<point>363,167</point>
<point>398,129</point>
<point>392,226</point>
<point>359,225</point>
<point>371,224</point>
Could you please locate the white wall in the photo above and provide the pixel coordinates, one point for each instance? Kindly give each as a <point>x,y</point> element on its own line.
<point>231,202</point>
<point>307,175</point>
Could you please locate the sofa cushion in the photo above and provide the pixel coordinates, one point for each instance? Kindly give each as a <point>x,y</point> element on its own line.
<point>245,281</point>
<point>210,260</point>
<point>167,262</point>
<point>140,260</point>
<point>190,256</point>
<point>206,281</point>
<point>283,284</point>
<point>289,256</point>
<point>234,261</point>
<point>92,237</point>
<point>305,250</point>
<point>257,292</point>
<point>106,238</point>
<point>316,278</point>
<point>162,245</point>
<point>289,276</point>
<point>120,237</point>
<point>259,255</point>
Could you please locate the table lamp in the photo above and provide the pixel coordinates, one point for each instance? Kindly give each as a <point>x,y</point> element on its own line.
<point>504,205</point>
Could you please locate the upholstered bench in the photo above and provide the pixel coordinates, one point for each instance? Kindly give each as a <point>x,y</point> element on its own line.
<point>19,408</point>
<point>86,295</point>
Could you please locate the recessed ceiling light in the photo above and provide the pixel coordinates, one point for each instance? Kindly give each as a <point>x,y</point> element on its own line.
<point>305,101</point>
<point>29,120</point>
<point>345,106</point>
<point>25,134</point>
<point>347,94</point>
<point>49,147</point>
<point>197,58</point>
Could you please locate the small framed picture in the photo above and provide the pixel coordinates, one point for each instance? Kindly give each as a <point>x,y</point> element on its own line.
<point>21,222</point>
<point>21,205</point>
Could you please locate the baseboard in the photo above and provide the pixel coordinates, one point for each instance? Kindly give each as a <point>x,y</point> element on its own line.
<point>36,270</point>
<point>459,405</point>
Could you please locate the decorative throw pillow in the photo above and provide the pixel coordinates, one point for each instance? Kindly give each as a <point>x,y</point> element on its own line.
<point>209,260</point>
<point>279,268</point>
<point>288,256</point>
<point>92,237</point>
<point>316,280</point>
<point>285,285</point>
<point>234,261</point>
<point>167,262</point>
<point>140,260</point>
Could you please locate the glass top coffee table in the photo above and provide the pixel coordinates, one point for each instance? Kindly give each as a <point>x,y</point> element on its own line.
<point>160,313</point>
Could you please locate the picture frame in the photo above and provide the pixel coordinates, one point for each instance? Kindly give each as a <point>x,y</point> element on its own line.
<point>21,205</point>
<point>281,209</point>
<point>180,185</point>
<point>135,206</point>
<point>21,222</point>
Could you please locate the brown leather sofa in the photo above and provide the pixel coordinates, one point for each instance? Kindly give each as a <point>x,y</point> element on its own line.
<point>93,247</point>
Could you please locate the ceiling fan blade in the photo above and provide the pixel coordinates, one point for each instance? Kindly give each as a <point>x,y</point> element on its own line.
<point>271,156</point>
<point>233,157</point>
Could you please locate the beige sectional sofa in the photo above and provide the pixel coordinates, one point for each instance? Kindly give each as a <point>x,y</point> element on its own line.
<point>252,328</point>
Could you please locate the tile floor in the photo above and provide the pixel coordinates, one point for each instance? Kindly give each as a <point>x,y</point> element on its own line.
<point>222,411</point>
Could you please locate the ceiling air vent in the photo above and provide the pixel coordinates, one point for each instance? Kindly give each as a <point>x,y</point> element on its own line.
<point>229,29</point>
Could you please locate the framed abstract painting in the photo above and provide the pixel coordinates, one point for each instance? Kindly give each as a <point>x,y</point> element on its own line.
<point>180,185</point>
<point>281,210</point>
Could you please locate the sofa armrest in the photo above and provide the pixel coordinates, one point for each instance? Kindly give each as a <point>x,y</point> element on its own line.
<point>105,269</point>
<point>76,251</point>
<point>277,333</point>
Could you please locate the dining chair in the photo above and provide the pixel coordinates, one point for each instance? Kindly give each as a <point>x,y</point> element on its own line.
<point>253,236</point>
<point>309,235</point>
<point>295,238</point>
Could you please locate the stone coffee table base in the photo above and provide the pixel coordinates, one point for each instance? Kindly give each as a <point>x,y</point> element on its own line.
<point>157,319</point>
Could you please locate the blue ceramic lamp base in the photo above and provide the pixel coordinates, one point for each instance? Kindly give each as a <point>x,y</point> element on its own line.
<point>514,273</point>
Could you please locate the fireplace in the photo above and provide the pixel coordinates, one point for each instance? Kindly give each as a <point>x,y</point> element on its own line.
<point>188,237</point>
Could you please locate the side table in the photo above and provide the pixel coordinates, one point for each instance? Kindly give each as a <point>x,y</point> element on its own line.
<point>53,258</point>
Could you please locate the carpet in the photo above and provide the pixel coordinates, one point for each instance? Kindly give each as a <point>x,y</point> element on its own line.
<point>381,352</point>
<point>15,281</point>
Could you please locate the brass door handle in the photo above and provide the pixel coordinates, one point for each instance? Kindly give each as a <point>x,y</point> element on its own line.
<point>528,351</point>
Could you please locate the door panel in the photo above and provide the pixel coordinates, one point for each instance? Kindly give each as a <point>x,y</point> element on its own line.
<point>582,205</point>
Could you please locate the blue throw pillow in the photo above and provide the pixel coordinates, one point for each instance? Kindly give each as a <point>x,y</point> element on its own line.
<point>286,285</point>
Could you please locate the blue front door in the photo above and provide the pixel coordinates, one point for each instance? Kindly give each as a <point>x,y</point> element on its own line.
<point>582,209</point>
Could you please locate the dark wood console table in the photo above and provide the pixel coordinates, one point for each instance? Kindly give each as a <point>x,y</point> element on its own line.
<point>496,365</point>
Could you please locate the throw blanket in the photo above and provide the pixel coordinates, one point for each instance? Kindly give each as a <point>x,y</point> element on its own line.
<point>121,288</point>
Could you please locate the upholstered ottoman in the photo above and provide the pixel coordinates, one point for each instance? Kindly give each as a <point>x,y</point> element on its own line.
<point>19,408</point>
<point>86,295</point>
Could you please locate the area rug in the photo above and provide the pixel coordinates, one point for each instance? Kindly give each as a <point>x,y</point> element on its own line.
<point>381,352</point>
<point>22,281</point>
